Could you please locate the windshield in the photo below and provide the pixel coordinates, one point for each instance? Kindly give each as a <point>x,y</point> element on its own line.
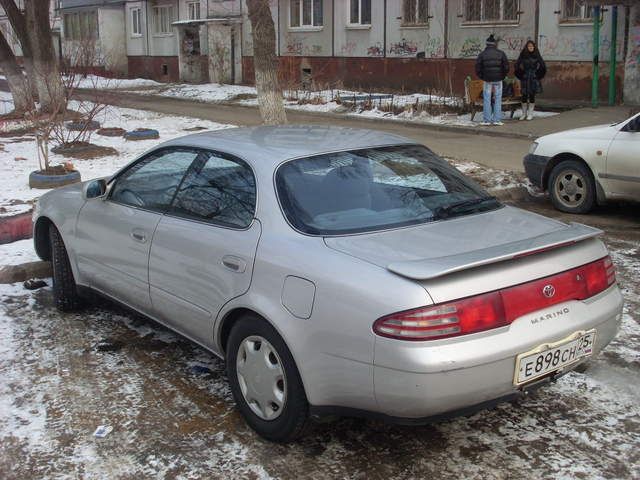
<point>375,189</point>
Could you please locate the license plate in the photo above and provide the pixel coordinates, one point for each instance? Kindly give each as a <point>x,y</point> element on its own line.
<point>550,357</point>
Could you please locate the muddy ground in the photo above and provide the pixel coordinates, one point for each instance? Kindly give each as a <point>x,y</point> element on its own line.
<point>168,402</point>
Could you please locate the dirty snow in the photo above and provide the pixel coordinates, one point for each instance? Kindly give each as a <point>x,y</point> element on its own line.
<point>172,414</point>
<point>18,252</point>
<point>324,101</point>
<point>18,153</point>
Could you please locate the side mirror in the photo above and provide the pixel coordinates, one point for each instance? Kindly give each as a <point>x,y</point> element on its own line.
<point>95,188</point>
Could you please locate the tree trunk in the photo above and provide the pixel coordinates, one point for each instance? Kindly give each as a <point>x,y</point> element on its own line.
<point>47,75</point>
<point>19,24</point>
<point>265,63</point>
<point>18,85</point>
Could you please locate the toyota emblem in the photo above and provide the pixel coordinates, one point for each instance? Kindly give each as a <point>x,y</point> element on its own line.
<point>549,291</point>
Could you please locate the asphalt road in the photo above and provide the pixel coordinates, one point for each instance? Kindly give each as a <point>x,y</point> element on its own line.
<point>492,151</point>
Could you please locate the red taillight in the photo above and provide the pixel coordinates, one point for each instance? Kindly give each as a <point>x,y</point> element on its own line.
<point>498,308</point>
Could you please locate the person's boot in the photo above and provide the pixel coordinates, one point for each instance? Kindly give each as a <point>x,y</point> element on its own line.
<point>523,115</point>
<point>532,106</point>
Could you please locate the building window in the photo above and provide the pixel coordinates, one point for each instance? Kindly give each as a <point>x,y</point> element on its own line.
<point>162,18</point>
<point>81,25</point>
<point>491,11</point>
<point>415,12</point>
<point>360,12</point>
<point>574,11</point>
<point>305,13</point>
<point>136,23</point>
<point>193,10</point>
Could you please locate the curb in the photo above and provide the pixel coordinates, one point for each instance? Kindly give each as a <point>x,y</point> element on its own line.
<point>25,271</point>
<point>16,227</point>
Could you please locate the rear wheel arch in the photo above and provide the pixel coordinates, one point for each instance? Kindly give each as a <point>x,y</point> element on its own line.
<point>41,239</point>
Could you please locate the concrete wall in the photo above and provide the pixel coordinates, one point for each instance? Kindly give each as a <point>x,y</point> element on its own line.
<point>563,41</point>
<point>136,44</point>
<point>305,41</point>
<point>467,40</point>
<point>408,41</point>
<point>111,27</point>
<point>632,64</point>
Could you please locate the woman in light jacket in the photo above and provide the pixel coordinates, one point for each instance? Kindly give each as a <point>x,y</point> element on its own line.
<point>530,70</point>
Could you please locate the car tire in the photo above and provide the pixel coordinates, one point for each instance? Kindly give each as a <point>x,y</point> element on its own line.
<point>65,291</point>
<point>288,421</point>
<point>571,187</point>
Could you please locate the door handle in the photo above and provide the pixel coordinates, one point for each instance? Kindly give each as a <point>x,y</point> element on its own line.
<point>233,263</point>
<point>139,235</point>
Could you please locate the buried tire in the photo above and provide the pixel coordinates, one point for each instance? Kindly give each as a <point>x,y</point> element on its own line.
<point>265,382</point>
<point>571,187</point>
<point>65,291</point>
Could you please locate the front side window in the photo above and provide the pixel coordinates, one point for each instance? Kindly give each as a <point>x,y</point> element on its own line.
<point>374,189</point>
<point>151,183</point>
<point>575,11</point>
<point>193,10</point>
<point>162,18</point>
<point>136,24</point>
<point>415,12</point>
<point>305,13</point>
<point>491,11</point>
<point>217,189</point>
<point>360,12</point>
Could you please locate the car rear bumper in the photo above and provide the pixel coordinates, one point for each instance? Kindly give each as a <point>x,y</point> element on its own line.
<point>414,380</point>
<point>534,166</point>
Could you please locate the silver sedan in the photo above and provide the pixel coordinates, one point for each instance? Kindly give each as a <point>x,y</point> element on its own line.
<point>337,271</point>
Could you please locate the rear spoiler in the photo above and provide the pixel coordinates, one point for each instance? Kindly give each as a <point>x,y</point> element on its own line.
<point>437,267</point>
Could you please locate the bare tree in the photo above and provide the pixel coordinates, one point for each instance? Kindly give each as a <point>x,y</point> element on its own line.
<point>18,85</point>
<point>265,63</point>
<point>19,25</point>
<point>45,63</point>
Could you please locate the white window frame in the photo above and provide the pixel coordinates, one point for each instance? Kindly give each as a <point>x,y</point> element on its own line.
<point>136,27</point>
<point>359,24</point>
<point>157,16</point>
<point>193,8</point>
<point>481,22</point>
<point>304,26</point>
<point>581,20</point>
<point>75,24</point>
<point>417,22</point>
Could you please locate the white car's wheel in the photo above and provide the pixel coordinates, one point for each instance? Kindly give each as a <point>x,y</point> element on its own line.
<point>264,380</point>
<point>571,187</point>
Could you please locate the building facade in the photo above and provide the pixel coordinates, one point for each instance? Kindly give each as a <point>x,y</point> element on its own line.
<point>410,45</point>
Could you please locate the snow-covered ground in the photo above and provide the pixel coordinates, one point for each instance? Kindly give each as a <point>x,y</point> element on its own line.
<point>326,101</point>
<point>18,155</point>
<point>95,81</point>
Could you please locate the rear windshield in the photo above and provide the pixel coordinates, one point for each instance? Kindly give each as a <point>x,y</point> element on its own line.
<point>375,189</point>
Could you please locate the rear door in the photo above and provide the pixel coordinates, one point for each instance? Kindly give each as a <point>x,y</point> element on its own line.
<point>623,161</point>
<point>114,234</point>
<point>203,248</point>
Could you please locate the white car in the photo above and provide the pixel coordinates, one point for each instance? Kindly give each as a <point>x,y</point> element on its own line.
<point>585,166</point>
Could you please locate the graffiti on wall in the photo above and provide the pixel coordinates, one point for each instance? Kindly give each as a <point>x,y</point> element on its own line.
<point>405,48</point>
<point>434,47</point>
<point>296,45</point>
<point>633,58</point>
<point>471,47</point>
<point>349,48</point>
<point>375,50</point>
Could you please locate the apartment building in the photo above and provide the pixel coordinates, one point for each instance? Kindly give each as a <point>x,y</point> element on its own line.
<point>415,45</point>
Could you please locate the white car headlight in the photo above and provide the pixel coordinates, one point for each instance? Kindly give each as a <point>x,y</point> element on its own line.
<point>533,147</point>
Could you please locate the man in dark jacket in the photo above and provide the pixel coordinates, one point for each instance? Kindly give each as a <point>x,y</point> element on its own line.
<point>492,67</point>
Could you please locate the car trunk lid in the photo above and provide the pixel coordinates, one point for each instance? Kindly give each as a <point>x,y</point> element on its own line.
<point>440,248</point>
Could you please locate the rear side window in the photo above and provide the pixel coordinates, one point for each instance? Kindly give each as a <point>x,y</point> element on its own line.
<point>151,183</point>
<point>374,189</point>
<point>217,189</point>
